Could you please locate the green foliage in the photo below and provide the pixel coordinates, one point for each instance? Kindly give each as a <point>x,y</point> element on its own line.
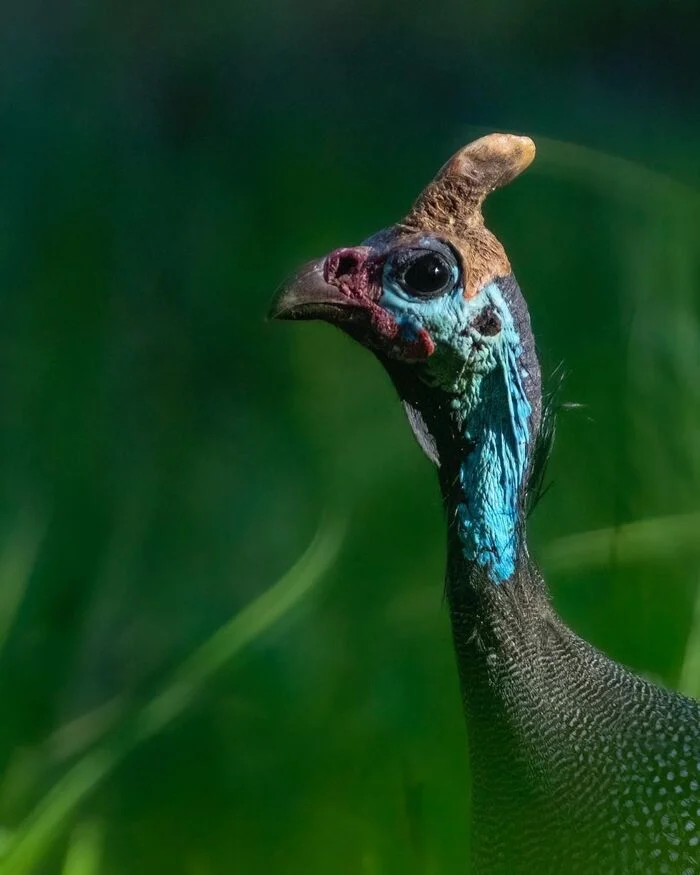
<point>26,847</point>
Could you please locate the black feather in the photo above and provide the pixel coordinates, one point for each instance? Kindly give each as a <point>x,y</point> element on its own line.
<point>536,487</point>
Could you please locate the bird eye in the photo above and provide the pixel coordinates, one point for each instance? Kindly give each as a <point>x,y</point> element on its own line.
<point>425,273</point>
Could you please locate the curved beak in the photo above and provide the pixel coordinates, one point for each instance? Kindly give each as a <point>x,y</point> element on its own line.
<point>307,295</point>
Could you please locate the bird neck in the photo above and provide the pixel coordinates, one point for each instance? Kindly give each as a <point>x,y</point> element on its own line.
<point>499,606</point>
<point>494,416</point>
<point>477,417</point>
<point>488,497</point>
<point>492,586</point>
<point>480,430</point>
<point>498,633</point>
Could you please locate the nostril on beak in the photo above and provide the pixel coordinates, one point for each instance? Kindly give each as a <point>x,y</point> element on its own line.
<point>344,263</point>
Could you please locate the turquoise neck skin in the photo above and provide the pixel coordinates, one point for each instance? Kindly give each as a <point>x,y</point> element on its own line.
<point>496,416</point>
<point>484,379</point>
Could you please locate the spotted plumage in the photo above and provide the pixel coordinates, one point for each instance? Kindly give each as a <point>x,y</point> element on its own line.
<point>578,766</point>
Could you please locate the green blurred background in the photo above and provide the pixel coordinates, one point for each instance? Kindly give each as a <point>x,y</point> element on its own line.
<point>166,455</point>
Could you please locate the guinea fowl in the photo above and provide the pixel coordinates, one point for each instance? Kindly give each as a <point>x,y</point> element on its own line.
<point>578,765</point>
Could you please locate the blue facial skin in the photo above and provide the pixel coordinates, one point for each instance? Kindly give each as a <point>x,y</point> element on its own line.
<point>483,374</point>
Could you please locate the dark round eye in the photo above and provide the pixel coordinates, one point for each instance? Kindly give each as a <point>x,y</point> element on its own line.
<point>425,273</point>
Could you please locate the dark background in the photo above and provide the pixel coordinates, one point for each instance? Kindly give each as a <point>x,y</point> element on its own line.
<point>166,455</point>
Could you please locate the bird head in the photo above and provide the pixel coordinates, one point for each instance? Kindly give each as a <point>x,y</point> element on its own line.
<point>432,296</point>
<point>435,299</point>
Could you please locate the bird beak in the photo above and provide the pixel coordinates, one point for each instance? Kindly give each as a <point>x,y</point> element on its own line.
<point>307,295</point>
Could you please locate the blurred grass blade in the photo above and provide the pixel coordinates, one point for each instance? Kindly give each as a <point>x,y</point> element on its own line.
<point>611,173</point>
<point>32,838</point>
<point>29,842</point>
<point>245,627</point>
<point>640,541</point>
<point>84,850</point>
<point>83,731</point>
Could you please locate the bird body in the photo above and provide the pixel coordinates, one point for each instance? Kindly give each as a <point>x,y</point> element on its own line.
<point>578,765</point>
